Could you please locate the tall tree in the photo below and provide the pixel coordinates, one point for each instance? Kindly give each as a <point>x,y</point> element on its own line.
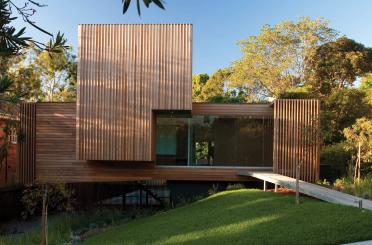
<point>57,73</point>
<point>216,89</point>
<point>273,61</point>
<point>12,43</point>
<point>214,86</point>
<point>337,65</point>
<point>359,141</point>
<point>366,81</point>
<point>26,80</point>
<point>341,109</point>
<point>198,82</point>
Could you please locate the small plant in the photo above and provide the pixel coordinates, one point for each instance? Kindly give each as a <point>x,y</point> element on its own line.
<point>213,190</point>
<point>323,182</point>
<point>59,199</point>
<point>237,186</point>
<point>337,157</point>
<point>72,227</point>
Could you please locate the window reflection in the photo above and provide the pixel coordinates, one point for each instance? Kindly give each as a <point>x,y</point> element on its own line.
<point>214,141</point>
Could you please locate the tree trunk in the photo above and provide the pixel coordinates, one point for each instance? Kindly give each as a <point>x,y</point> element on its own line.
<point>44,218</point>
<point>359,145</point>
<point>298,183</point>
<point>355,170</point>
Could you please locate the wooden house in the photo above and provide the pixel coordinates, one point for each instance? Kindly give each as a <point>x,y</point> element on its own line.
<point>134,119</point>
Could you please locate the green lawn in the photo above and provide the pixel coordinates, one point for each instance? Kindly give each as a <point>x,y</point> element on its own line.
<point>246,217</point>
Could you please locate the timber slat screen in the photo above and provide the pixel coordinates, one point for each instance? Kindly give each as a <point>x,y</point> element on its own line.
<point>296,139</point>
<point>124,73</point>
<point>56,156</point>
<point>26,144</point>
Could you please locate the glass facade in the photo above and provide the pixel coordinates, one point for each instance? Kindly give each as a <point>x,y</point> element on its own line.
<point>214,141</point>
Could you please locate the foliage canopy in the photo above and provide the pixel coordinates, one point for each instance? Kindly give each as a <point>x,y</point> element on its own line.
<point>274,60</point>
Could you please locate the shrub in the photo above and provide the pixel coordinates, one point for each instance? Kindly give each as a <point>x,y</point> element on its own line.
<point>366,169</point>
<point>59,199</point>
<point>297,93</point>
<point>361,188</point>
<point>69,228</point>
<point>340,110</point>
<point>337,157</point>
<point>237,186</point>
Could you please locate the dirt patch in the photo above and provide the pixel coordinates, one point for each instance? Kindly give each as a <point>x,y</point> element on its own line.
<point>283,191</point>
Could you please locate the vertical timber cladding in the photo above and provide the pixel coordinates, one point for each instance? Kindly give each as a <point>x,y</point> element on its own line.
<point>26,144</point>
<point>124,73</point>
<point>296,127</point>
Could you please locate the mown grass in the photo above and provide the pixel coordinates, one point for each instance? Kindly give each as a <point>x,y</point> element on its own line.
<point>246,217</point>
<point>63,227</point>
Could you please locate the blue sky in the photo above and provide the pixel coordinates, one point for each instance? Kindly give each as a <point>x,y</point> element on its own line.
<point>217,24</point>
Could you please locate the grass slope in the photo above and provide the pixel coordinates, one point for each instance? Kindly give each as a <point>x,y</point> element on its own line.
<point>246,217</point>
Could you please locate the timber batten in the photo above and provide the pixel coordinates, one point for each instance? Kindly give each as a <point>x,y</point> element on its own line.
<point>26,147</point>
<point>296,129</point>
<point>125,72</point>
<point>56,163</point>
<point>249,110</point>
<point>48,152</point>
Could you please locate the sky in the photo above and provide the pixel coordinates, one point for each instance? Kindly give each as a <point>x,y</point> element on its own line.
<point>217,24</point>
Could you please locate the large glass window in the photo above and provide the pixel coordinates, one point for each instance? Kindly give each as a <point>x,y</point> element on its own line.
<point>214,141</point>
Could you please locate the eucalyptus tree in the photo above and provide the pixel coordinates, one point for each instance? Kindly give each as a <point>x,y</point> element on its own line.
<point>274,60</point>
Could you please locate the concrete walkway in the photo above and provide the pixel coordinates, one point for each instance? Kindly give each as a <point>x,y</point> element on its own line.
<point>360,243</point>
<point>309,189</point>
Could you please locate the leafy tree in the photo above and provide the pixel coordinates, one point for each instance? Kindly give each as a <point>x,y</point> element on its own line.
<point>224,99</point>
<point>297,93</point>
<point>214,86</point>
<point>340,110</point>
<point>274,60</point>
<point>12,43</point>
<point>198,81</point>
<point>366,85</point>
<point>337,157</point>
<point>366,81</point>
<point>57,73</point>
<point>126,4</point>
<point>26,80</point>
<point>359,140</point>
<point>337,64</point>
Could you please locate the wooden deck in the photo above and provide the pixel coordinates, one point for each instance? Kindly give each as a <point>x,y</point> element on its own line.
<point>309,189</point>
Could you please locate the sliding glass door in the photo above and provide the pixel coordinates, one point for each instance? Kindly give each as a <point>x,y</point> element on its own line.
<point>214,141</point>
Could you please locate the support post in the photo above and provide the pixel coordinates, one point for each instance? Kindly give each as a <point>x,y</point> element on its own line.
<point>297,183</point>
<point>147,199</point>
<point>276,188</point>
<point>140,196</point>
<point>123,200</point>
<point>264,185</point>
